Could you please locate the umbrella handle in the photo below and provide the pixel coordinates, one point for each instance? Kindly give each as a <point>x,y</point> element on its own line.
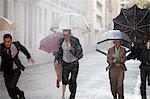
<point>128,51</point>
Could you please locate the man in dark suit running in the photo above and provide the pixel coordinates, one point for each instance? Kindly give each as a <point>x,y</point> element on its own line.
<point>11,65</point>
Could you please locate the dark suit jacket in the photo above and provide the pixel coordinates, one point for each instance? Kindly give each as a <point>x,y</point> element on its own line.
<point>78,52</point>
<point>141,53</point>
<point>7,60</point>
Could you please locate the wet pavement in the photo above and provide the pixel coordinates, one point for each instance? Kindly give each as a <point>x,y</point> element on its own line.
<point>38,81</point>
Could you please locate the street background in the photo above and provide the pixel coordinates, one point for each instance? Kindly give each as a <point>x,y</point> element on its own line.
<point>31,22</point>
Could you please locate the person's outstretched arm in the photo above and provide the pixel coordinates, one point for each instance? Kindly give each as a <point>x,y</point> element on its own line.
<point>24,51</point>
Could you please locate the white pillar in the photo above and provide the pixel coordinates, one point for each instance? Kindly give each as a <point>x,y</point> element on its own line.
<point>1,7</point>
<point>28,35</point>
<point>10,10</point>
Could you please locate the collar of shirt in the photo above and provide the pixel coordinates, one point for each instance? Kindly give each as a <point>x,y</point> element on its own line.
<point>117,49</point>
<point>14,50</point>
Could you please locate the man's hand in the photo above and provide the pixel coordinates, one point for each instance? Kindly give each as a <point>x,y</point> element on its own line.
<point>70,47</point>
<point>30,60</point>
<point>107,68</point>
<point>22,67</point>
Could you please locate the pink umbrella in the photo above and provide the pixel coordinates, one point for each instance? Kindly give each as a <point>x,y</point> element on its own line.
<point>51,43</point>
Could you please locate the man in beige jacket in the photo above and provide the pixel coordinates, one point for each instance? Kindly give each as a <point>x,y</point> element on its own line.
<point>116,58</point>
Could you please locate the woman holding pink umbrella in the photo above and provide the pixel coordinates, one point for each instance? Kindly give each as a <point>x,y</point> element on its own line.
<point>51,44</point>
<point>58,69</point>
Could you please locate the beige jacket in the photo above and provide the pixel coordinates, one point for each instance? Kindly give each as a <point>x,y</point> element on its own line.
<point>121,59</point>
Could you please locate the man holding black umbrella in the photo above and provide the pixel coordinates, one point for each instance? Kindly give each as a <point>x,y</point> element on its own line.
<point>141,51</point>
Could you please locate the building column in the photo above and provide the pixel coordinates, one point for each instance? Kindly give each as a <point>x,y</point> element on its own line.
<point>2,8</point>
<point>8,9</point>
<point>29,24</point>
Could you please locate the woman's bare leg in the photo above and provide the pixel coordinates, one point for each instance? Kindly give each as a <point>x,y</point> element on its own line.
<point>63,90</point>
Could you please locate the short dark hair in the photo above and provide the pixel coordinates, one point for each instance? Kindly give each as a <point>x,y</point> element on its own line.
<point>67,30</point>
<point>7,36</point>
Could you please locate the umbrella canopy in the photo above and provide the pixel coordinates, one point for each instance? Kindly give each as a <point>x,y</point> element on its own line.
<point>5,24</point>
<point>51,43</point>
<point>133,21</point>
<point>108,38</point>
<point>75,22</point>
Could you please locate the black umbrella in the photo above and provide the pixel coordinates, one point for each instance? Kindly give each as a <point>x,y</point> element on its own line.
<point>133,21</point>
<point>107,39</point>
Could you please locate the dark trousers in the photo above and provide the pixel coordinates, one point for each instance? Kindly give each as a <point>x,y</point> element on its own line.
<point>11,80</point>
<point>70,68</point>
<point>116,76</point>
<point>145,75</point>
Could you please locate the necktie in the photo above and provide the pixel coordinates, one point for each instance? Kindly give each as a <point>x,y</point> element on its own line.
<point>8,51</point>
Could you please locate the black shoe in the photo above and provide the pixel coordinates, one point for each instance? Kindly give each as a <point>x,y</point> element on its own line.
<point>72,96</point>
<point>15,97</point>
<point>22,97</point>
<point>121,97</point>
<point>115,97</point>
<point>144,97</point>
